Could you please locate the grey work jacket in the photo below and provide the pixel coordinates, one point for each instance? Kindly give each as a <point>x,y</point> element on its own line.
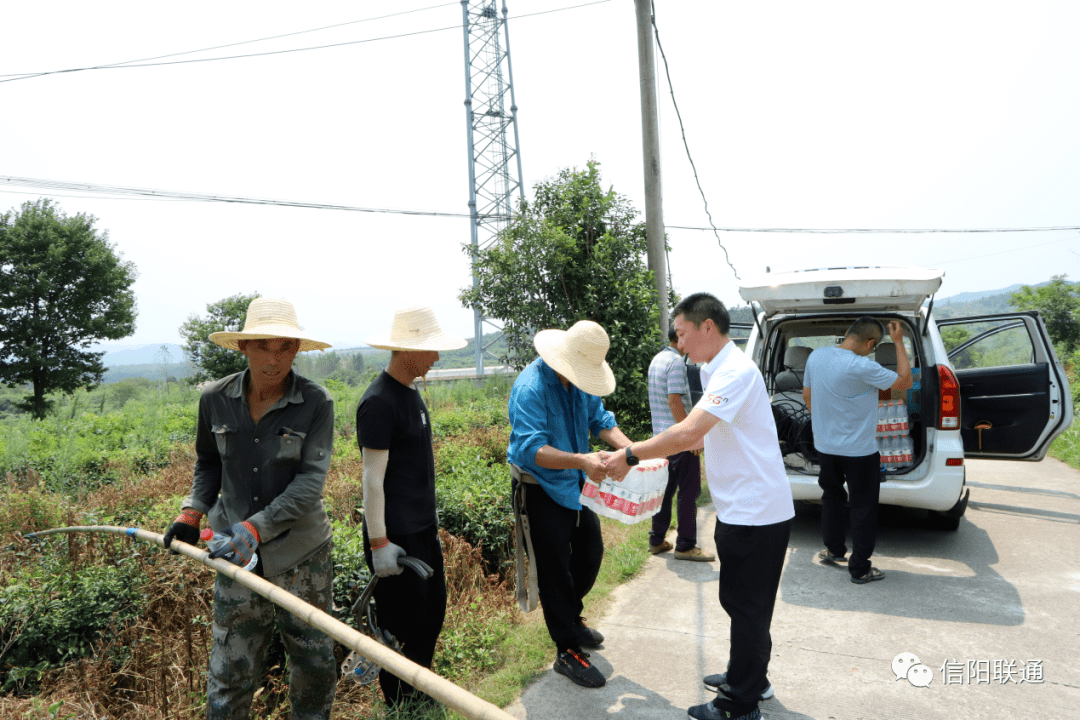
<point>270,474</point>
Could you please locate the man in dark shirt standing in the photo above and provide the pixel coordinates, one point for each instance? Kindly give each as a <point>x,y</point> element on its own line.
<point>262,448</point>
<point>393,428</point>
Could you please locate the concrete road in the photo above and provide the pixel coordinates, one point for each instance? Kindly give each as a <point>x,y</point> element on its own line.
<point>990,610</point>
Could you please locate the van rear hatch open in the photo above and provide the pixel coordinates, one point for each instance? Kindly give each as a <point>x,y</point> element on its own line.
<point>858,289</point>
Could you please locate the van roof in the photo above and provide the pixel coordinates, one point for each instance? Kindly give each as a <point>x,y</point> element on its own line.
<point>870,289</point>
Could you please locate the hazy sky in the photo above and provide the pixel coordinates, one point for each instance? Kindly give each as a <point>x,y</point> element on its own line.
<point>915,115</point>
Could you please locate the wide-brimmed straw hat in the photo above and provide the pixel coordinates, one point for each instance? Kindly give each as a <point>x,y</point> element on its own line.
<point>416,329</point>
<point>578,354</point>
<point>269,319</point>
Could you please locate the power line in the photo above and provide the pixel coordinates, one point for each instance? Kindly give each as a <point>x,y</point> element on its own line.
<point>205,197</point>
<point>153,194</point>
<point>220,47</point>
<point>876,231</point>
<point>682,128</point>
<point>141,64</point>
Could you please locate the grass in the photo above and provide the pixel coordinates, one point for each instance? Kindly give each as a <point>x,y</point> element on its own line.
<point>1067,446</point>
<point>526,648</point>
<point>131,467</point>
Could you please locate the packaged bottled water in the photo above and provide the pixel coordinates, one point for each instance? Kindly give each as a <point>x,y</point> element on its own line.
<point>903,426</point>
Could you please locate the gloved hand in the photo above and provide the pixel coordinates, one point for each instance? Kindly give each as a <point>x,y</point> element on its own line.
<point>385,559</point>
<point>185,528</point>
<point>244,538</point>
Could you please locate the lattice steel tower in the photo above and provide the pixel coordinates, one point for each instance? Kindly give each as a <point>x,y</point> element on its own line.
<point>494,163</point>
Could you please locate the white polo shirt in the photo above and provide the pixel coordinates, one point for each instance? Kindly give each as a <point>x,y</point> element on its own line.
<point>743,465</point>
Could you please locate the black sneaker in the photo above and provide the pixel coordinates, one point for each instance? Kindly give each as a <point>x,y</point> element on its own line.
<point>708,711</point>
<point>575,665</point>
<point>719,682</point>
<point>587,637</point>
<point>871,575</point>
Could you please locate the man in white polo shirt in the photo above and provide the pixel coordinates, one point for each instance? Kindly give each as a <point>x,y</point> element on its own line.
<point>749,488</point>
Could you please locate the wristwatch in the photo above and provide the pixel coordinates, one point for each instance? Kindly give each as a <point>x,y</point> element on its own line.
<point>631,458</point>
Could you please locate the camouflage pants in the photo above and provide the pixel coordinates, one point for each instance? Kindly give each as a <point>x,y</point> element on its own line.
<point>243,629</point>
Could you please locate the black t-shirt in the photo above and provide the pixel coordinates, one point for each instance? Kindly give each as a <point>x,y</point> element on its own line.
<point>393,417</point>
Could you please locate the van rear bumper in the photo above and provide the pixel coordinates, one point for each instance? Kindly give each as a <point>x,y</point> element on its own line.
<point>939,489</point>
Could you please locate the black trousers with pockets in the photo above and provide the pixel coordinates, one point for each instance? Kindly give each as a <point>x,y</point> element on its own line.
<point>411,609</point>
<point>751,562</point>
<point>569,549</point>
<point>863,478</point>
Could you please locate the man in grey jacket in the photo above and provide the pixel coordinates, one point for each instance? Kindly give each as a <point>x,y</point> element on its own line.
<point>263,446</point>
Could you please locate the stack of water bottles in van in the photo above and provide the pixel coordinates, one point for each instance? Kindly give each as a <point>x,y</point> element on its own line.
<point>894,434</point>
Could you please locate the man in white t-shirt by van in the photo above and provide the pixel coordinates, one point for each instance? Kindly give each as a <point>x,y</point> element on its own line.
<point>749,488</point>
<point>843,383</point>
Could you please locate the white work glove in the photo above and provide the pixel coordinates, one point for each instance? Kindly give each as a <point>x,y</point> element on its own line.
<point>385,559</point>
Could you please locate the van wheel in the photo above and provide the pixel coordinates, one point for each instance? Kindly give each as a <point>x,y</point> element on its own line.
<point>950,519</point>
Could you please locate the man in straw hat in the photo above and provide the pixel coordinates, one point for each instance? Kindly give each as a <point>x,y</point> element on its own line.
<point>393,428</point>
<point>554,405</point>
<point>749,488</point>
<point>262,449</point>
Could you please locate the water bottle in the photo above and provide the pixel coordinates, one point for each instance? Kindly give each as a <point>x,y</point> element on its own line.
<point>880,421</point>
<point>902,417</point>
<point>890,452</point>
<point>215,540</point>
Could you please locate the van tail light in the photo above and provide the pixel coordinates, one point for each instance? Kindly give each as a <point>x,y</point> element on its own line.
<point>949,409</point>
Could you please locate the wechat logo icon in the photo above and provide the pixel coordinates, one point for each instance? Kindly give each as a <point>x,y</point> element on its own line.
<point>907,665</point>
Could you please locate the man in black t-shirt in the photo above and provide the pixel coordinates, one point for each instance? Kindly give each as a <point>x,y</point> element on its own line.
<point>393,428</point>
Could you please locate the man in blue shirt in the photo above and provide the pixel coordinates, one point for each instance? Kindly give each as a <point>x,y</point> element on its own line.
<point>554,405</point>
<point>843,383</point>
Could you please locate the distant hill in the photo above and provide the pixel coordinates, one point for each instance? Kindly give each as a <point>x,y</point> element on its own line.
<point>969,304</point>
<point>135,354</point>
<point>154,371</point>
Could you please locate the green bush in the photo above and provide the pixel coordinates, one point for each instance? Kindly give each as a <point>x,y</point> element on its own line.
<point>351,572</point>
<point>473,496</point>
<point>52,614</point>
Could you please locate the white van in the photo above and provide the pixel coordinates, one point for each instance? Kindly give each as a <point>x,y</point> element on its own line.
<point>987,387</point>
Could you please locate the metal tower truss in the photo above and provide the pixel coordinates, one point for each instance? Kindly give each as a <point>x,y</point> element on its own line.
<point>494,163</point>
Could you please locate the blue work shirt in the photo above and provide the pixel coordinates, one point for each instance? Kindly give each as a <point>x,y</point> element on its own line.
<point>543,412</point>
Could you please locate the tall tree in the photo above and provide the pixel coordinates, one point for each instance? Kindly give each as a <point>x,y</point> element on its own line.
<point>1059,304</point>
<point>212,361</point>
<point>63,286</point>
<point>575,253</point>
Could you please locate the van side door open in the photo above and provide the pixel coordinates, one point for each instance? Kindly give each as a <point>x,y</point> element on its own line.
<point>1014,399</point>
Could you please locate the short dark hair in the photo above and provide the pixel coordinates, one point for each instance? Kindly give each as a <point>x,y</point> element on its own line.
<point>672,336</point>
<point>699,307</point>
<point>866,328</point>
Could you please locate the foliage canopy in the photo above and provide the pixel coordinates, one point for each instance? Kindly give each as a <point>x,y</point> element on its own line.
<point>575,253</point>
<point>62,287</point>
<point>1059,304</point>
<point>212,361</point>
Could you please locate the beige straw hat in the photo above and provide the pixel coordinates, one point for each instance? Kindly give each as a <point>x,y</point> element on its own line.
<point>268,319</point>
<point>415,328</point>
<point>578,355</point>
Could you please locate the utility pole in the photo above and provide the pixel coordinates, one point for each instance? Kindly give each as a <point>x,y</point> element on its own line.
<point>650,142</point>
<point>494,163</point>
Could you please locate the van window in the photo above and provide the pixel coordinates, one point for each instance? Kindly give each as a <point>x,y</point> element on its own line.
<point>990,343</point>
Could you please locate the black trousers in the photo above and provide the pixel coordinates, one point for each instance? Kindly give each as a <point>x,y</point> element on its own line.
<point>411,609</point>
<point>863,478</point>
<point>568,551</point>
<point>684,475</point>
<point>751,562</point>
